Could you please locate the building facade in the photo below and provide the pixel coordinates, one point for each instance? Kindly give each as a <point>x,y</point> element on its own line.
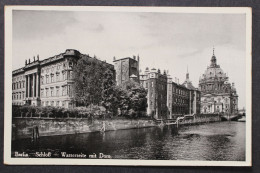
<point>182,99</point>
<point>177,99</point>
<point>19,86</point>
<point>217,94</point>
<point>194,94</point>
<point>48,82</point>
<point>156,84</point>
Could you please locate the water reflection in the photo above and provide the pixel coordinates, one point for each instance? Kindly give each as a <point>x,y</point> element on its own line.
<point>215,141</point>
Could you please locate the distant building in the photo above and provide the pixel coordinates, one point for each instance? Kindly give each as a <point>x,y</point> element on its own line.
<point>217,94</point>
<point>48,82</point>
<point>177,99</point>
<point>156,84</point>
<point>194,94</point>
<point>182,99</point>
<point>126,69</point>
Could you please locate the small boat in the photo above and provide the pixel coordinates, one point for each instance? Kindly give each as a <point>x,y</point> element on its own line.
<point>161,124</point>
<point>170,123</point>
<point>243,119</point>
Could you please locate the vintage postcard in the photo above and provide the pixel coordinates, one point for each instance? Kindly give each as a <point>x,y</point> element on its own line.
<point>157,86</point>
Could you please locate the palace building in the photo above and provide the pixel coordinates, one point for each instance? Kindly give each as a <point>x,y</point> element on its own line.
<point>167,99</point>
<point>217,94</point>
<point>48,82</point>
<point>156,84</point>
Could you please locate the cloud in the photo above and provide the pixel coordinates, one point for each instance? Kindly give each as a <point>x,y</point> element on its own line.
<point>40,24</point>
<point>190,53</point>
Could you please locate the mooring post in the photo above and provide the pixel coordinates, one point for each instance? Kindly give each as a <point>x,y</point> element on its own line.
<point>35,133</point>
<point>32,133</point>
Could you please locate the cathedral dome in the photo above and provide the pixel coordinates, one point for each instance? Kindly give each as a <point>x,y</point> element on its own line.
<point>214,71</point>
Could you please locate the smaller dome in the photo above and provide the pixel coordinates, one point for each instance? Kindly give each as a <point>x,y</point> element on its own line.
<point>133,76</point>
<point>153,70</point>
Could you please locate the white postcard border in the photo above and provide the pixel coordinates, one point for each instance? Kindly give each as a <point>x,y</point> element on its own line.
<point>53,161</point>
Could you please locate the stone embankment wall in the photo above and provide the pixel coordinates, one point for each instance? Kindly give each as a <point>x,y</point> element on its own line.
<point>203,118</point>
<point>24,127</point>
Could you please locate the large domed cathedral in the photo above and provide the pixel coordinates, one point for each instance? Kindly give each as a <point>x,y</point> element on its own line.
<point>217,94</point>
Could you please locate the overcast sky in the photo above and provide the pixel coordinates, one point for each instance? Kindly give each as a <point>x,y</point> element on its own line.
<point>168,41</point>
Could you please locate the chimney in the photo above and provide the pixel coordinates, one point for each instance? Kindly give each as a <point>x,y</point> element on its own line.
<point>26,62</point>
<point>134,57</point>
<point>164,72</point>
<point>38,57</point>
<point>33,58</point>
<point>29,61</point>
<point>138,57</point>
<point>114,58</point>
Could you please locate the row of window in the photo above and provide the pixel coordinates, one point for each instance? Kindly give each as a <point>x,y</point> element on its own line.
<point>18,95</point>
<point>161,86</point>
<point>18,103</point>
<point>212,87</point>
<point>180,92</point>
<point>56,103</point>
<point>218,99</point>
<point>179,110</point>
<point>160,95</point>
<point>18,85</point>
<point>52,103</point>
<point>162,104</point>
<point>18,78</point>
<point>175,90</point>
<point>57,91</point>
<point>58,67</point>
<point>179,100</point>
<point>56,77</point>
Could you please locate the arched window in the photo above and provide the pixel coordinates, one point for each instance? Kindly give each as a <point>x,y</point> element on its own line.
<point>70,64</point>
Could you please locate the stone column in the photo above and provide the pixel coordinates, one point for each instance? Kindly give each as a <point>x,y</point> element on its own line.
<point>28,86</point>
<point>190,102</point>
<point>33,86</point>
<point>37,84</point>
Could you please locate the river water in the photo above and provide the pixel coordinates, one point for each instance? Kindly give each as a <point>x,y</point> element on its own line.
<point>213,141</point>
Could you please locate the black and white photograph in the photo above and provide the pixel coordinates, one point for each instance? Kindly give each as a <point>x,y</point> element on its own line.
<point>157,86</point>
